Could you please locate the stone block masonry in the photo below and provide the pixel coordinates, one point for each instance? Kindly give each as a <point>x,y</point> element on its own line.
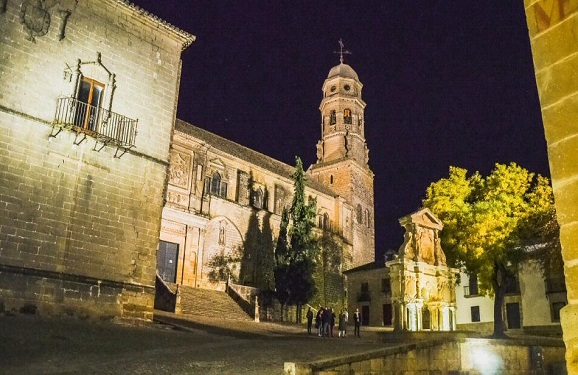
<point>445,357</point>
<point>81,214</point>
<point>552,29</point>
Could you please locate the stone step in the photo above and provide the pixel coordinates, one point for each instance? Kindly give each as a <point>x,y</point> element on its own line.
<point>210,303</point>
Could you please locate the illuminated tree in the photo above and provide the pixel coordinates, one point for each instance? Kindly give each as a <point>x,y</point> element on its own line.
<point>489,223</point>
<point>295,264</point>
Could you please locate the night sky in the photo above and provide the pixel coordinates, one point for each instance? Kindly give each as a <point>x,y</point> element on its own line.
<point>450,83</point>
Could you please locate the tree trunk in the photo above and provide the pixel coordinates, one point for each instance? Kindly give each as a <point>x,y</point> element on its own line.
<point>499,285</point>
<point>282,310</point>
<point>298,314</point>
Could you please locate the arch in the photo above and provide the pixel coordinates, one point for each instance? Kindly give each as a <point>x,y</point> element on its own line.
<point>347,119</point>
<point>221,237</point>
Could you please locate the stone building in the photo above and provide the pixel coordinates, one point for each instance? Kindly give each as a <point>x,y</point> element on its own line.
<point>532,303</point>
<point>220,194</point>
<point>552,30</point>
<point>87,109</point>
<point>415,289</point>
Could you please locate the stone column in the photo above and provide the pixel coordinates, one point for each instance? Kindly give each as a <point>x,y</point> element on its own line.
<point>552,27</point>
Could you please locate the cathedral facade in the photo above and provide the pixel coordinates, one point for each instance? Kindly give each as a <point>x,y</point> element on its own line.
<point>217,191</point>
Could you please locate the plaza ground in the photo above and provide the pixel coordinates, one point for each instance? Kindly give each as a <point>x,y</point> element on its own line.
<point>41,345</point>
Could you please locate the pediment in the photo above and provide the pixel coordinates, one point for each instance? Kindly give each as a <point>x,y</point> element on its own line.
<point>422,218</point>
<point>217,163</point>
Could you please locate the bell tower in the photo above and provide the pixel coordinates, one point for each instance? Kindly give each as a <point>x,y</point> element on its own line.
<point>343,156</point>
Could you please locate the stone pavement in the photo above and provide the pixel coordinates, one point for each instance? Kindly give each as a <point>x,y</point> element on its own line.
<point>172,345</point>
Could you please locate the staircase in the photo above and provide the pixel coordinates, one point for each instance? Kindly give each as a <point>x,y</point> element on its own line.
<point>210,303</point>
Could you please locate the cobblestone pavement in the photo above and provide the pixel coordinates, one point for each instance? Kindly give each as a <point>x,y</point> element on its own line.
<point>41,345</point>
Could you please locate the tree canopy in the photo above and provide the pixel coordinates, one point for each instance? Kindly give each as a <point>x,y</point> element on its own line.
<point>489,223</point>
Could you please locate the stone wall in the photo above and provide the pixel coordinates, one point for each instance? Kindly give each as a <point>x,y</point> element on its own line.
<point>80,223</point>
<point>464,356</point>
<point>552,28</point>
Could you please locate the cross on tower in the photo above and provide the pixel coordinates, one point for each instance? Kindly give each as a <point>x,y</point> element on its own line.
<point>341,51</point>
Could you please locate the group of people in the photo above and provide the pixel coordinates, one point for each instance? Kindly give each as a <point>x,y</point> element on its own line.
<point>325,322</point>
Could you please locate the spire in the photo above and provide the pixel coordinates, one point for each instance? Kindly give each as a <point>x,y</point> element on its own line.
<point>341,51</point>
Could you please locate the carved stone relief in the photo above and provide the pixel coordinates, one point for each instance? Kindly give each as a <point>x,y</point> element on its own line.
<point>36,16</point>
<point>179,170</point>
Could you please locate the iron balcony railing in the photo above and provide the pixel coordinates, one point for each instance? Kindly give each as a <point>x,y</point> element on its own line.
<point>107,125</point>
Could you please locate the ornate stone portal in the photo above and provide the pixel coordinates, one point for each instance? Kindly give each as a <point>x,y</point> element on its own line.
<point>423,286</point>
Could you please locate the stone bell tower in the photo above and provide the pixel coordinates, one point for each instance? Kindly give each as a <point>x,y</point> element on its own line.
<point>342,158</point>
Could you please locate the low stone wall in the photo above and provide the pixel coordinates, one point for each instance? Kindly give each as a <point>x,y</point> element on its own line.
<point>458,356</point>
<point>32,291</point>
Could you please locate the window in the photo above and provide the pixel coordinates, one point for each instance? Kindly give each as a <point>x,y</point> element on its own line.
<point>347,116</point>
<point>359,214</point>
<point>88,110</point>
<point>331,179</point>
<point>364,295</point>
<point>475,312</point>
<point>472,288</point>
<point>258,198</point>
<point>326,223</point>
<point>214,186</point>
<point>385,286</point>
<point>512,285</point>
<point>555,285</point>
<point>332,118</point>
<point>556,307</point>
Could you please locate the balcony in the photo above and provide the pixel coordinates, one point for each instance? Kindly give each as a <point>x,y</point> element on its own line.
<point>104,125</point>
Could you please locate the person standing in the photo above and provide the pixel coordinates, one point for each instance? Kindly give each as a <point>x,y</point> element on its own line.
<point>331,321</point>
<point>326,318</point>
<point>319,321</point>
<point>342,324</point>
<point>309,320</point>
<point>357,322</point>
<point>346,318</point>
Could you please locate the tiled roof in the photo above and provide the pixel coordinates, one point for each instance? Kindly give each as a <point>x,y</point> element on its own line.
<point>365,267</point>
<point>187,38</point>
<point>247,155</point>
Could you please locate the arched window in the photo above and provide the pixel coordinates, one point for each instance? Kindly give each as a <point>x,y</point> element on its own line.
<point>331,179</point>
<point>347,116</point>
<point>215,186</point>
<point>359,214</point>
<point>332,118</point>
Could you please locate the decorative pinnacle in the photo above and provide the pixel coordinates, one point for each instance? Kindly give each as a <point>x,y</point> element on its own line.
<point>341,51</point>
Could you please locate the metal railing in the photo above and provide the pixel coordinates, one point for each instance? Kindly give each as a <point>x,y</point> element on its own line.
<point>97,121</point>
